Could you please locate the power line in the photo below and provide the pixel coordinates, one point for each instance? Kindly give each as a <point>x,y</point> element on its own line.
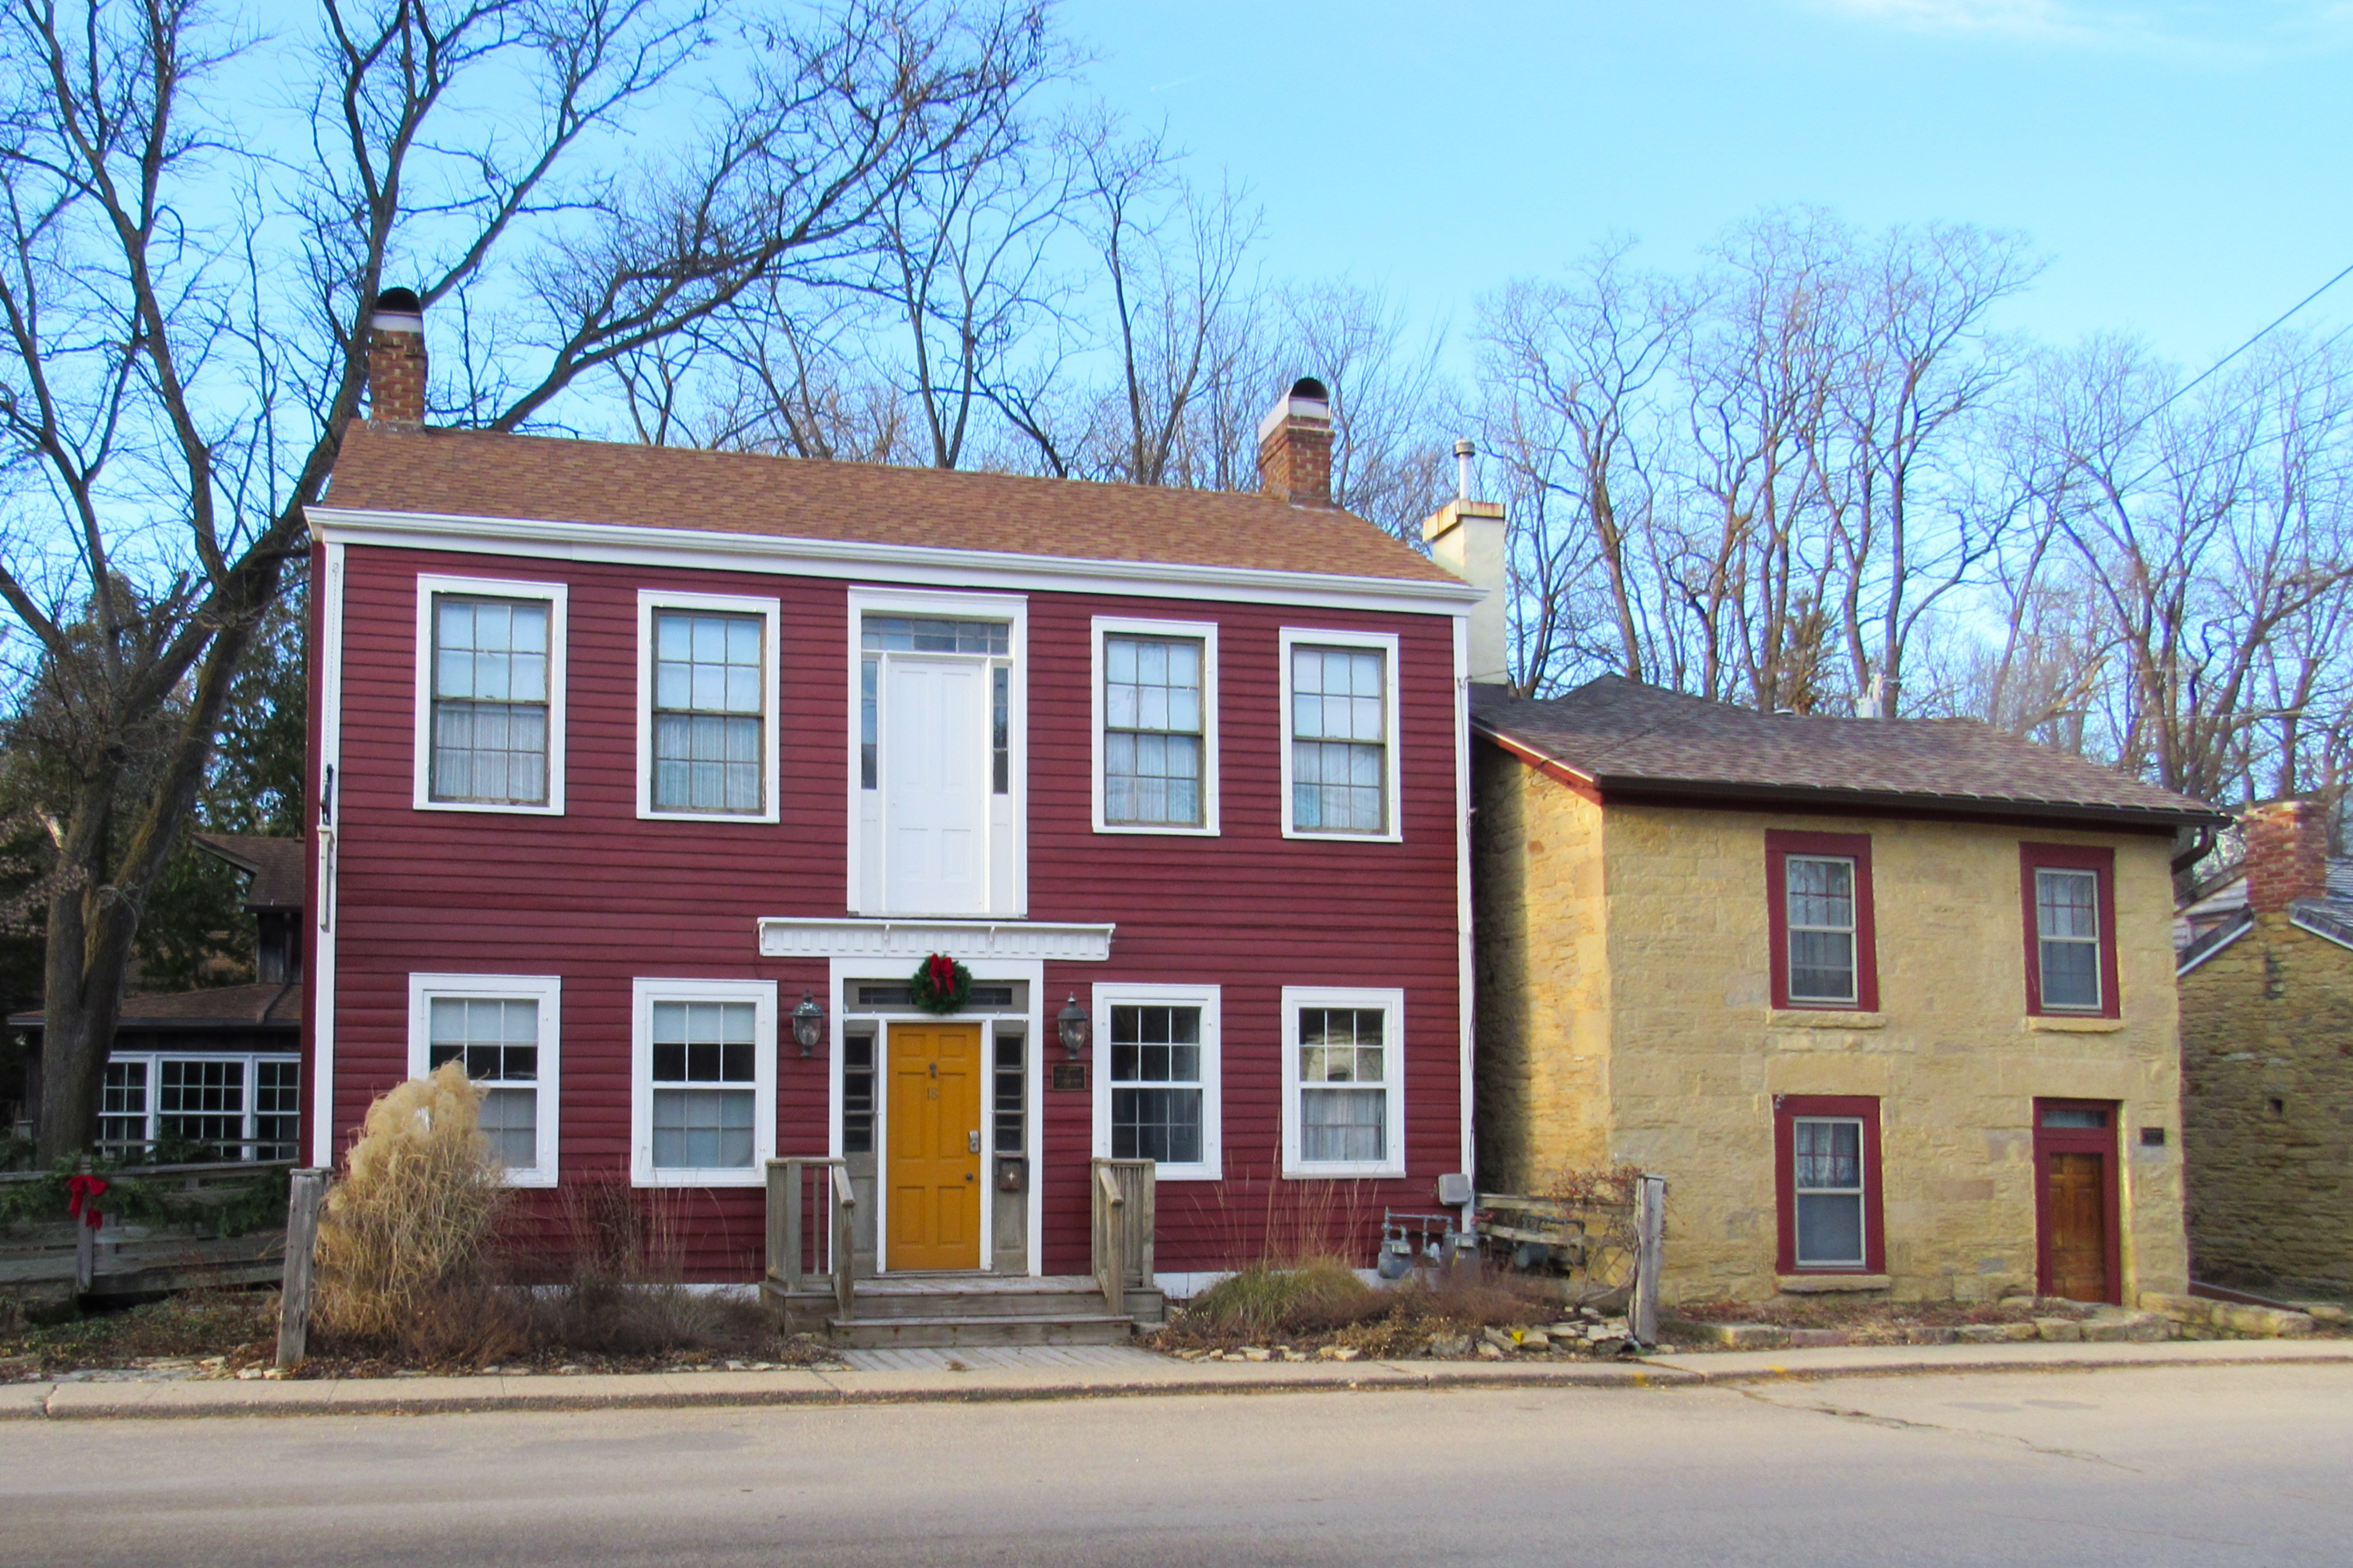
<point>2273,326</point>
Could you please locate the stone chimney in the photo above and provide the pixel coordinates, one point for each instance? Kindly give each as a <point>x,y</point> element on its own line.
<point>1466,537</point>
<point>396,358</point>
<point>2287,854</point>
<point>1294,445</point>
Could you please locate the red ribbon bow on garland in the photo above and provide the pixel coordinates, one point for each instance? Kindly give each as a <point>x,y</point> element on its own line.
<point>83,1194</point>
<point>942,969</point>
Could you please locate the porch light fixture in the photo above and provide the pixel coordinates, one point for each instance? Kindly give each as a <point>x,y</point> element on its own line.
<point>809,1022</point>
<point>1076,1028</point>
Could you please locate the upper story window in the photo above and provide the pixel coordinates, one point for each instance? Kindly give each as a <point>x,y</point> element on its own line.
<point>707,706</point>
<point>2070,916</point>
<point>1819,889</point>
<point>1340,720</point>
<point>1156,743</point>
<point>503,1029</point>
<point>938,778</point>
<point>490,700</point>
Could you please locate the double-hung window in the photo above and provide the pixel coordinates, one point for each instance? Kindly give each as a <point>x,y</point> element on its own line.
<point>704,1111</point>
<point>1343,1081</point>
<point>489,695</point>
<point>1818,887</point>
<point>504,1030</point>
<point>1155,699</point>
<point>2070,916</point>
<point>1827,1148</point>
<point>1340,723</point>
<point>1157,1075</point>
<point>706,707</point>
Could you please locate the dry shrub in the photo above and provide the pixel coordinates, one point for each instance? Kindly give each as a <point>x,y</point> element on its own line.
<point>1268,1300</point>
<point>405,1240</point>
<point>1477,1295</point>
<point>624,1297</point>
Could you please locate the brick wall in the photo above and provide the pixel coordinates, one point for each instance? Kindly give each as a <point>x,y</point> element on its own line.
<point>2287,853</point>
<point>395,376</point>
<point>2267,1106</point>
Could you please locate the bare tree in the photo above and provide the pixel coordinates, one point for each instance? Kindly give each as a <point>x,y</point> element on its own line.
<point>173,399</point>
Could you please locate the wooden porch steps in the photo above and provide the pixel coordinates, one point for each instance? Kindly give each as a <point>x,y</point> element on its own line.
<point>945,1311</point>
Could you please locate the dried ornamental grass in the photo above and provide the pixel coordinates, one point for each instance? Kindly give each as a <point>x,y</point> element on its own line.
<point>403,1239</point>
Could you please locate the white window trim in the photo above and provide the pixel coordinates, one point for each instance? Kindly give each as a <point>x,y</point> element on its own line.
<point>2097,941</point>
<point>557,597</point>
<point>1395,805</point>
<point>772,658</point>
<point>1392,1002</point>
<point>1208,999</point>
<point>1852,930</point>
<point>1206,634</point>
<point>644,994</point>
<point>154,1060</point>
<point>547,990</point>
<point>1860,1192</point>
<point>1011,608</point>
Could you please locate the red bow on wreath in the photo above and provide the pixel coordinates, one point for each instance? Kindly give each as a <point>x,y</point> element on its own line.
<point>942,972</point>
<point>81,1198</point>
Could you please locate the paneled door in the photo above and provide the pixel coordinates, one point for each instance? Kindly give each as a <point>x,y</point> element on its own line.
<point>935,785</point>
<point>932,1149</point>
<point>2078,1250</point>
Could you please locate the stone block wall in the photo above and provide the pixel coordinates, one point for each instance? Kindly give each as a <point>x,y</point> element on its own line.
<point>2267,1107</point>
<point>1624,1016</point>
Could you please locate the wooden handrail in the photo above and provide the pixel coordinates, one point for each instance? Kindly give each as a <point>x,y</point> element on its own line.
<point>1110,1240</point>
<point>844,1248</point>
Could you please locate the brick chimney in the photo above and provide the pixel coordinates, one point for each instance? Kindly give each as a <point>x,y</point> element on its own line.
<point>1294,445</point>
<point>396,358</point>
<point>2287,854</point>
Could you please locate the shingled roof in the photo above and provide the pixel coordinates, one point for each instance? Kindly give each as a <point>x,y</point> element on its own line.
<point>271,1004</point>
<point>281,875</point>
<point>1626,737</point>
<point>479,474</point>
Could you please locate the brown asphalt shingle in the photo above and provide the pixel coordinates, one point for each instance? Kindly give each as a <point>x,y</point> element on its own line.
<point>281,876</point>
<point>1628,736</point>
<point>464,473</point>
<point>271,1003</point>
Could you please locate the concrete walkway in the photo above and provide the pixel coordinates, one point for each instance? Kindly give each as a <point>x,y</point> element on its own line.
<point>1002,1375</point>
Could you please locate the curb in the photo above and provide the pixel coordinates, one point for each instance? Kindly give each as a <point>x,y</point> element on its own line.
<point>389,1396</point>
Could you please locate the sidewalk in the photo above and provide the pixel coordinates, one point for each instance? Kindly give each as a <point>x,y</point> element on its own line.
<point>1138,1373</point>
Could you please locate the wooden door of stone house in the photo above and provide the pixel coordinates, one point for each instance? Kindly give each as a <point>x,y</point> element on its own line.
<point>2078,1249</point>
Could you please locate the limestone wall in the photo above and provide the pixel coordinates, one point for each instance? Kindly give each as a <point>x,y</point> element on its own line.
<point>2267,1099</point>
<point>1542,1070</point>
<point>1624,1016</point>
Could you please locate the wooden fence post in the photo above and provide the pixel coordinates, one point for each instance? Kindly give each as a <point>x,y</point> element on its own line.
<point>306,1190</point>
<point>1649,1230</point>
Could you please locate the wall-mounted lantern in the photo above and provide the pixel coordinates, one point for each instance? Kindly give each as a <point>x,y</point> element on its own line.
<point>1077,1029</point>
<point>809,1022</point>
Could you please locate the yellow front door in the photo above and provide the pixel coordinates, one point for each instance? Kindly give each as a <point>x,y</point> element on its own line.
<point>933,1147</point>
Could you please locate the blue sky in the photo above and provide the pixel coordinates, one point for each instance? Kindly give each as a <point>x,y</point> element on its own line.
<point>2186,168</point>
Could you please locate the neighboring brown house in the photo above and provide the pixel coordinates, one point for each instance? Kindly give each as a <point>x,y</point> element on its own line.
<point>1889,1003</point>
<point>218,1068</point>
<point>2266,976</point>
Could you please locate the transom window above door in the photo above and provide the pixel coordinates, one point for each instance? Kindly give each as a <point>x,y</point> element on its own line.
<point>938,823</point>
<point>707,677</point>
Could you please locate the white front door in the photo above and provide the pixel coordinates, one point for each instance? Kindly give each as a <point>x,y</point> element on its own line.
<point>934,784</point>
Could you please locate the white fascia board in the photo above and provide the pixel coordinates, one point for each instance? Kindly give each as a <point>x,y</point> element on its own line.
<point>627,544</point>
<point>913,936</point>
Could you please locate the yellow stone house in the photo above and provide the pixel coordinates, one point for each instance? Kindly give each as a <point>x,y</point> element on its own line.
<point>1890,1003</point>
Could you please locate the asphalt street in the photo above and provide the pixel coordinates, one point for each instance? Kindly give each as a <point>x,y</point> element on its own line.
<point>2211,1465</point>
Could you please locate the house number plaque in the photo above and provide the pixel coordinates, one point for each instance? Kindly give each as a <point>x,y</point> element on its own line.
<point>1070,1075</point>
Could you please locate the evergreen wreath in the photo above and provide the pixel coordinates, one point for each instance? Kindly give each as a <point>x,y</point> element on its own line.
<point>940,984</point>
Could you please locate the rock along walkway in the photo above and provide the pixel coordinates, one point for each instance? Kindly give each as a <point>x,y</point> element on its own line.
<point>1132,1375</point>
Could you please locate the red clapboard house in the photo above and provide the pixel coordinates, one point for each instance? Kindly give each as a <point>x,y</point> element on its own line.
<point>628,759</point>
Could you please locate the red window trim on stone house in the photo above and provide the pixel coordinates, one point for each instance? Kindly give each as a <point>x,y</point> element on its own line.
<point>2102,861</point>
<point>1779,845</point>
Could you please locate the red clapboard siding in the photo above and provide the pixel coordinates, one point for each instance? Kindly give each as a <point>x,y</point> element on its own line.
<point>601,899</point>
